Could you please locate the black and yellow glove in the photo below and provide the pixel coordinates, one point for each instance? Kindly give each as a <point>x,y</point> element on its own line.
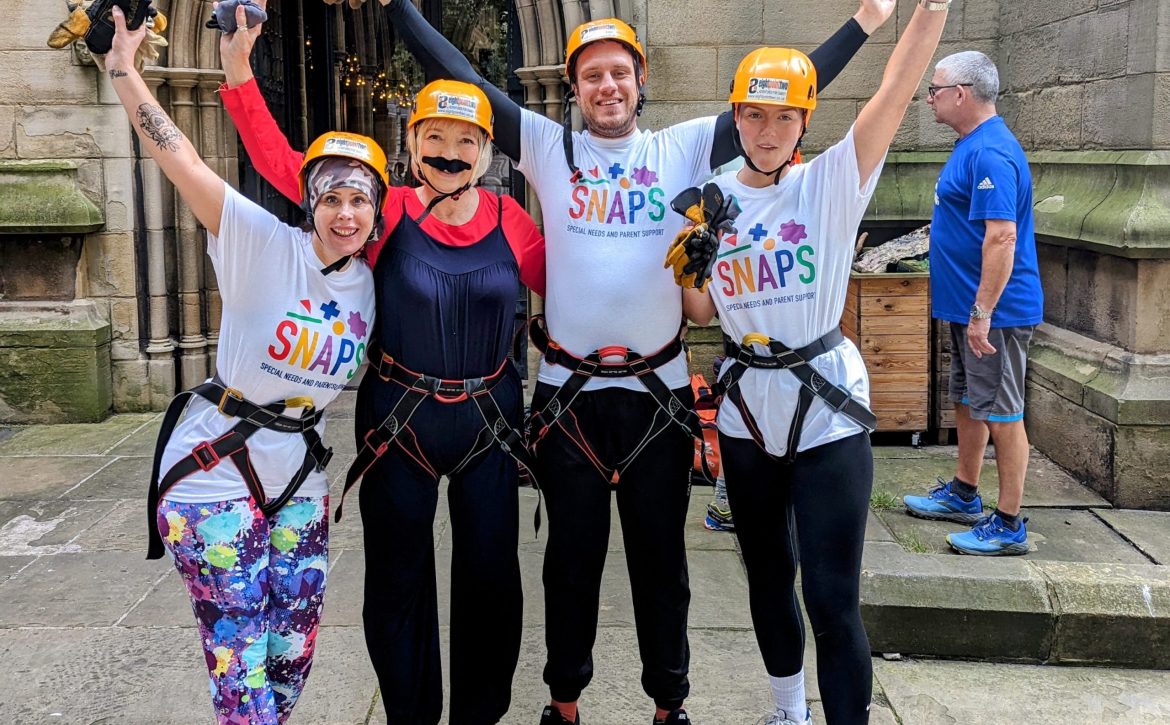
<point>692,253</point>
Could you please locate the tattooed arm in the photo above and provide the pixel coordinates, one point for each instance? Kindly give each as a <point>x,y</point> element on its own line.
<point>197,184</point>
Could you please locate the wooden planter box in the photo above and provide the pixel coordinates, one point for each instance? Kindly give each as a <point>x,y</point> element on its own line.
<point>888,317</point>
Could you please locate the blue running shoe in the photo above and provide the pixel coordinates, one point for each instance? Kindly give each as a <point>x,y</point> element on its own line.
<point>990,537</point>
<point>943,504</point>
<point>719,518</point>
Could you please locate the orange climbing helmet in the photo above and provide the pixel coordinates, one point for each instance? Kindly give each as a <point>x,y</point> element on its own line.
<point>350,146</point>
<point>605,29</point>
<point>455,100</point>
<point>777,77</point>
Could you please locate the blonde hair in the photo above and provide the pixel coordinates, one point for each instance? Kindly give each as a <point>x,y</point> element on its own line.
<point>449,124</point>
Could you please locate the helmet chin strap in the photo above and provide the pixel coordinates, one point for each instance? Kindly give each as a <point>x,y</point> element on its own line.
<point>344,259</point>
<point>775,173</point>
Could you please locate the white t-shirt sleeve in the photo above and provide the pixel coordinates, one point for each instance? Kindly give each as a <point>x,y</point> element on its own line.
<point>692,140</point>
<point>241,251</point>
<point>834,176</point>
<point>838,166</point>
<point>542,154</point>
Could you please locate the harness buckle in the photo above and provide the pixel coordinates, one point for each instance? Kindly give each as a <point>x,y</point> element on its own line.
<point>205,456</point>
<point>324,460</point>
<point>378,447</point>
<point>300,401</point>
<point>229,394</point>
<point>832,392</point>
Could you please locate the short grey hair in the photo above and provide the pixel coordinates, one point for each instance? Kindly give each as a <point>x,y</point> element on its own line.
<point>971,66</point>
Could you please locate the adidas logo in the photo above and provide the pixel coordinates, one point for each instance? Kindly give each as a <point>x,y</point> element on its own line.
<point>986,184</point>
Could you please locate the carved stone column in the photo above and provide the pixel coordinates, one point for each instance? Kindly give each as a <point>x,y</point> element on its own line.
<point>194,362</point>
<point>212,151</point>
<point>159,209</point>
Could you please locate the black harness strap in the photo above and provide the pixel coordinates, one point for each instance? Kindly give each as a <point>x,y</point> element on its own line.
<point>231,445</point>
<point>813,384</point>
<point>583,368</point>
<point>419,387</point>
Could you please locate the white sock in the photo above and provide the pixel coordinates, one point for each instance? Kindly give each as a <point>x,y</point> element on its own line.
<point>789,695</point>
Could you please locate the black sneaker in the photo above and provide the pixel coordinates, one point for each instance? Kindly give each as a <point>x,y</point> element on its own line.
<point>678,716</point>
<point>553,716</point>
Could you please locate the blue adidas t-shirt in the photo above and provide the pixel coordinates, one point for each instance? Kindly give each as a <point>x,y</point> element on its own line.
<point>986,177</point>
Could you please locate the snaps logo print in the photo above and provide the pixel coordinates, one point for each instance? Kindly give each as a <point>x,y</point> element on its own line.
<point>617,195</point>
<point>986,184</point>
<point>323,343</point>
<point>745,270</point>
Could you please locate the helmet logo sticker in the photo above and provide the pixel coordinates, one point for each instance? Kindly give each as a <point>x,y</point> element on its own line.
<point>346,147</point>
<point>456,105</point>
<point>768,89</point>
<point>596,32</point>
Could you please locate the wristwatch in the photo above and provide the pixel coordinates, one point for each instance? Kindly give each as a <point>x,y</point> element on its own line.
<point>934,5</point>
<point>978,313</point>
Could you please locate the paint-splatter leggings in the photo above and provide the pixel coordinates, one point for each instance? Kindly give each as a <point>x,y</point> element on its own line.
<point>257,585</point>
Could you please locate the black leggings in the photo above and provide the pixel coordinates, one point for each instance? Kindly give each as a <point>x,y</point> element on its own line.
<point>812,510</point>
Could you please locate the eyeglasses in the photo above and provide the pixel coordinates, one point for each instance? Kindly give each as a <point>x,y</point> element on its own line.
<point>932,91</point>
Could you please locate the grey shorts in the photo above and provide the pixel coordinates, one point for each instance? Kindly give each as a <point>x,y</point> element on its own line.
<point>992,387</point>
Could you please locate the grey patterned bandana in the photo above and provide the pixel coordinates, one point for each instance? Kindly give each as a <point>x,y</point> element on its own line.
<point>337,172</point>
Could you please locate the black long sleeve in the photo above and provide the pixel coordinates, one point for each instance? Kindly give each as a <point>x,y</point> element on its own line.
<point>829,60</point>
<point>440,59</point>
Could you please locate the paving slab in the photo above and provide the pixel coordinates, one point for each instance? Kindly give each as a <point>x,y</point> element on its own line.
<point>942,693</point>
<point>104,675</point>
<point>141,442</point>
<point>77,590</point>
<point>1053,535</point>
<point>1149,531</point>
<point>1047,484</point>
<point>75,438</point>
<point>343,407</point>
<point>10,565</point>
<point>342,685</point>
<point>123,528</point>
<point>876,530</point>
<point>1064,535</point>
<point>166,604</point>
<point>43,477</point>
<point>125,478</point>
<point>39,528</point>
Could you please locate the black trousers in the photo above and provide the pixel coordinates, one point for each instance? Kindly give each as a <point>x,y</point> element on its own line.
<point>812,510</point>
<point>401,618</point>
<point>652,497</point>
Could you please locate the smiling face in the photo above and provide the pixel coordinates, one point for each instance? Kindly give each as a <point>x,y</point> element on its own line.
<point>342,222</point>
<point>769,133</point>
<point>448,139</point>
<point>606,84</point>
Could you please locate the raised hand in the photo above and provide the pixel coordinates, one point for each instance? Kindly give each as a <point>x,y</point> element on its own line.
<point>235,48</point>
<point>874,13</point>
<point>120,59</point>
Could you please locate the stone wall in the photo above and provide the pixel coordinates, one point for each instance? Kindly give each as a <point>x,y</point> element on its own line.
<point>54,108</point>
<point>1087,74</point>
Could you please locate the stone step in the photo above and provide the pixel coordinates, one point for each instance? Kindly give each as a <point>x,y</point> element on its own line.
<point>1015,609</point>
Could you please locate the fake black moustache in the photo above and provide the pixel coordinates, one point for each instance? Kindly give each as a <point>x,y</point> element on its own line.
<point>450,166</point>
